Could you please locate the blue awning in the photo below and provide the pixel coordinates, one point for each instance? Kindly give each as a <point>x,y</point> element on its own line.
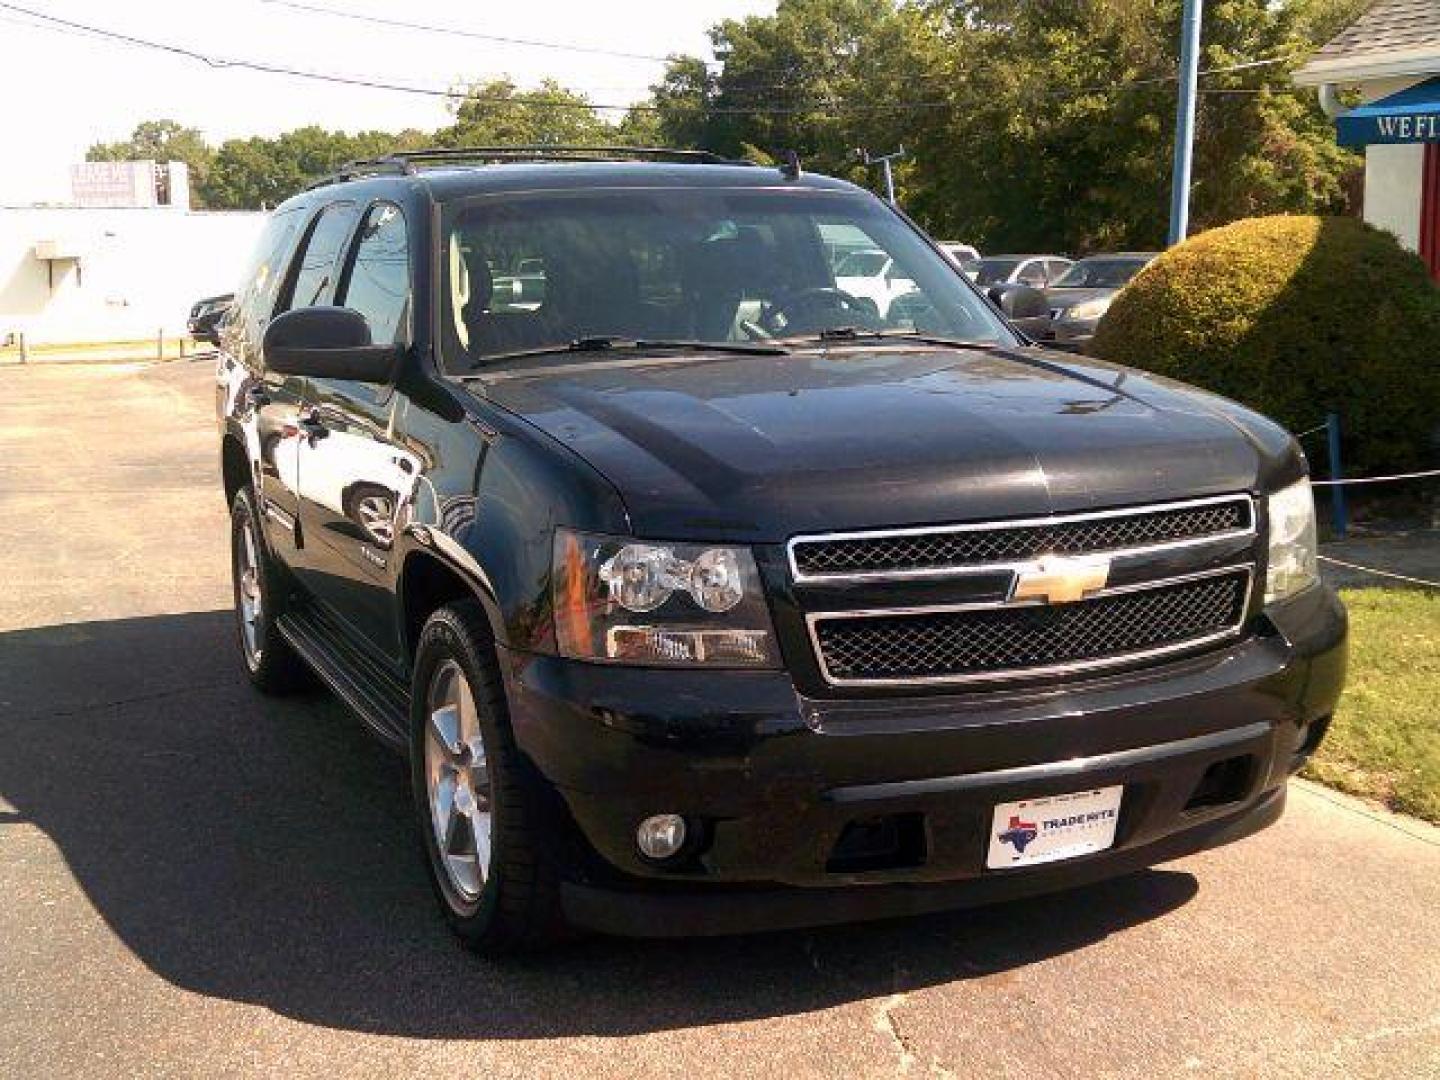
<point>1411,116</point>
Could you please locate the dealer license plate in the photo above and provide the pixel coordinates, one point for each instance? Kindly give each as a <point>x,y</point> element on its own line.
<point>1054,827</point>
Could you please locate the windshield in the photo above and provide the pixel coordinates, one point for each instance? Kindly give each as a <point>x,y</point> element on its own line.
<point>528,272</point>
<point>995,271</point>
<point>1100,273</point>
<point>861,264</point>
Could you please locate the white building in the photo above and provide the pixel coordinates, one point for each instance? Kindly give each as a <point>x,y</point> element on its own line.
<point>121,262</point>
<point>1391,55</point>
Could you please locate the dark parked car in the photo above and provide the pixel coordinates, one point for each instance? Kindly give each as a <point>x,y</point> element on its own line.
<point>702,598</point>
<point>1079,299</point>
<point>207,315</point>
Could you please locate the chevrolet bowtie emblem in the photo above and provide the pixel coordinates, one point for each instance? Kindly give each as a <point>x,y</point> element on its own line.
<point>1059,580</point>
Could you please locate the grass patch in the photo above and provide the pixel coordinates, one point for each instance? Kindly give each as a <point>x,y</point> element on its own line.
<point>1385,741</point>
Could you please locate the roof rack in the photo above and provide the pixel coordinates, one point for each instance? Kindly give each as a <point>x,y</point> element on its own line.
<point>354,170</point>
<point>407,162</point>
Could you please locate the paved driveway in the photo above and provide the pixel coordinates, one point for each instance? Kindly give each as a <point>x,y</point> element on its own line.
<point>195,880</point>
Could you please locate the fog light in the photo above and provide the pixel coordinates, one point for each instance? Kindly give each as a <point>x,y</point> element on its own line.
<point>661,836</point>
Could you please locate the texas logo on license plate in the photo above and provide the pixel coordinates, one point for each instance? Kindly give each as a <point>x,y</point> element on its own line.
<point>1054,827</point>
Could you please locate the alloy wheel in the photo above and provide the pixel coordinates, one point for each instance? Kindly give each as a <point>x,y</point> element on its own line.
<point>457,781</point>
<point>251,599</point>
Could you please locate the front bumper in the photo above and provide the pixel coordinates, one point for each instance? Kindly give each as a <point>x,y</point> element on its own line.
<point>697,913</point>
<point>774,782</point>
<point>1071,334</point>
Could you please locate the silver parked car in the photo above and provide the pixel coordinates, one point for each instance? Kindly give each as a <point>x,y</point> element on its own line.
<point>1037,271</point>
<point>1080,299</point>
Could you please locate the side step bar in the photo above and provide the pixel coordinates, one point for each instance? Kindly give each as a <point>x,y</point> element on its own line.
<point>371,691</point>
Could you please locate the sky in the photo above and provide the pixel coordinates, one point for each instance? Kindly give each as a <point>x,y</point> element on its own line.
<point>65,90</point>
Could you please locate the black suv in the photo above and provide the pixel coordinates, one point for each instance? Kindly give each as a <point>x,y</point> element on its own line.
<point>704,597</point>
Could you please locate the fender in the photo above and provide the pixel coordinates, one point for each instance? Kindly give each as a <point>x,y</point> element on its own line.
<point>487,509</point>
<point>422,541</point>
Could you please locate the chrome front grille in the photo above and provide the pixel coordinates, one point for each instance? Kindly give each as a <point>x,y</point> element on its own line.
<point>1060,594</point>
<point>1019,640</point>
<point>958,548</point>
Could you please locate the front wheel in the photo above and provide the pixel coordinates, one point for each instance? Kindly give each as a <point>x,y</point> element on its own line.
<point>476,806</point>
<point>271,663</point>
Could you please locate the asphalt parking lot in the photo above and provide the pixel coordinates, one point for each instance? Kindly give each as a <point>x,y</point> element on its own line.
<point>196,880</point>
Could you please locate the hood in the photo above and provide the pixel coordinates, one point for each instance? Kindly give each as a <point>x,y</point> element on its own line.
<point>1068,298</point>
<point>760,448</point>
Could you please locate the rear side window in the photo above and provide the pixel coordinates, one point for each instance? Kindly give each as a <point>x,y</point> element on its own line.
<point>1032,273</point>
<point>313,276</point>
<point>378,280</point>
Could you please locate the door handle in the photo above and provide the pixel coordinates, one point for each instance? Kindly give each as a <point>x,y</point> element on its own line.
<point>311,426</point>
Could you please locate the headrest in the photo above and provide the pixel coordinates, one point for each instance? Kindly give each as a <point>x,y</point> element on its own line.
<point>482,282</point>
<point>723,265</point>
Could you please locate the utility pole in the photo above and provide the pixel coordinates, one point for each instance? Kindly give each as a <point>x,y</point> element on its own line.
<point>884,160</point>
<point>1185,121</point>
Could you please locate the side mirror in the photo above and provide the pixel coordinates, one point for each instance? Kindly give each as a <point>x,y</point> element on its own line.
<point>327,343</point>
<point>1020,301</point>
<point>1027,308</point>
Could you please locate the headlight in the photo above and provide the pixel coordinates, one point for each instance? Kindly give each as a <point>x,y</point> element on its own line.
<point>1089,309</point>
<point>646,603</point>
<point>1292,542</point>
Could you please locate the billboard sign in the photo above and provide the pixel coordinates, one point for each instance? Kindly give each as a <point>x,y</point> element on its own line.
<point>113,183</point>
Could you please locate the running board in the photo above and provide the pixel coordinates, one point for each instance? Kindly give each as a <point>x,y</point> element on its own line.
<point>371,691</point>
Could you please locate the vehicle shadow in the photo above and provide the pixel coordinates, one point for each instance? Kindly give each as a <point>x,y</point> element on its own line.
<point>262,851</point>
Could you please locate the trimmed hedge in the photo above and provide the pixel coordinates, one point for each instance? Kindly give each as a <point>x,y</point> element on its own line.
<point>1296,316</point>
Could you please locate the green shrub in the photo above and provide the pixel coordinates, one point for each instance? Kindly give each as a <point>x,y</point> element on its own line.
<point>1296,316</point>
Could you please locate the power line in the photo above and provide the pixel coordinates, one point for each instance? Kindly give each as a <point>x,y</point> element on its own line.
<point>220,62</point>
<point>460,32</point>
<point>104,37</point>
<point>449,31</point>
<point>447,90</point>
<point>833,107</point>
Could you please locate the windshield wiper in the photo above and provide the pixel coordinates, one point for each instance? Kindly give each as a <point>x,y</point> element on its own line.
<point>860,333</point>
<point>607,343</point>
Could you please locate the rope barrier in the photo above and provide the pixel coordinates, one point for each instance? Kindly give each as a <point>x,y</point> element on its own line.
<point>1376,479</point>
<point>1379,573</point>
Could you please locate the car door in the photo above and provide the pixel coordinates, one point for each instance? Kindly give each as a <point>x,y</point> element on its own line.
<point>357,476</point>
<point>266,404</point>
<point>1055,270</point>
<point>291,429</point>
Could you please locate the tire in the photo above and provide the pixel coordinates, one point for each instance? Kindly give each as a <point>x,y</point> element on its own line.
<point>509,900</point>
<point>271,664</point>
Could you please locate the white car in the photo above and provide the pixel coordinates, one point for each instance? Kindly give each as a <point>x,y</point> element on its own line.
<point>872,275</point>
<point>965,256</point>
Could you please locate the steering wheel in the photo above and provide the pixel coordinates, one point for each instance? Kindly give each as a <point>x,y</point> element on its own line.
<point>807,309</point>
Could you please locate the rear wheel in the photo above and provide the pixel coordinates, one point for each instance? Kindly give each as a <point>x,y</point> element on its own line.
<point>475,804</point>
<point>270,662</point>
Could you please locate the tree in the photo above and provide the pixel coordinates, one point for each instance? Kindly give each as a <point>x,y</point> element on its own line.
<point>1066,113</point>
<point>498,113</point>
<point>679,110</point>
<point>249,174</point>
<point>820,77</point>
<point>161,140</point>
<point>1028,125</point>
